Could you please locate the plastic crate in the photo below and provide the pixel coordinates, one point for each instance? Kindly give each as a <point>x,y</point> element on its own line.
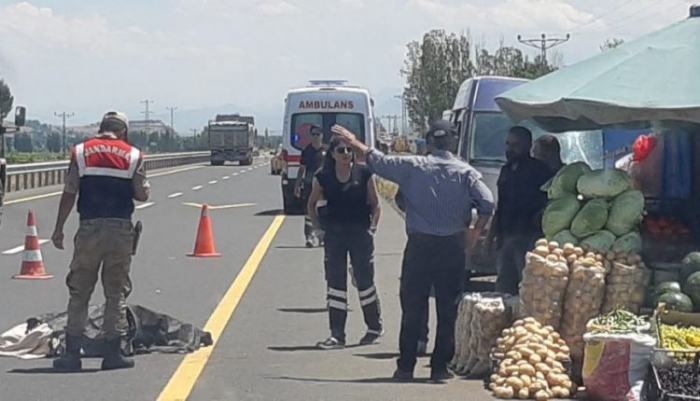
<point>663,359</point>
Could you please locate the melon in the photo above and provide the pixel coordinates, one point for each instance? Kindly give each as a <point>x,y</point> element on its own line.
<point>676,301</point>
<point>691,288</point>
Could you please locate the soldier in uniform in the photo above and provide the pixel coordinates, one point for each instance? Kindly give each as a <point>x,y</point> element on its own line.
<point>106,174</point>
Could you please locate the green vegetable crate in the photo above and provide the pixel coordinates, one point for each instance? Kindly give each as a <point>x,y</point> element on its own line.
<point>664,359</point>
<point>653,388</point>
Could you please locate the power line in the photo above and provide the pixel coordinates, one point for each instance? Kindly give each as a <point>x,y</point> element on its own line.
<point>543,44</point>
<point>63,116</point>
<point>172,123</point>
<point>598,18</point>
<point>147,112</point>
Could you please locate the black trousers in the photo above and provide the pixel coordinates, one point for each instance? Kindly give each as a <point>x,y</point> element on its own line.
<point>438,262</point>
<point>356,241</point>
<point>308,225</point>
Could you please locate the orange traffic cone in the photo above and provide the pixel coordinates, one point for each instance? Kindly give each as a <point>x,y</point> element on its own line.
<point>32,263</point>
<point>204,245</point>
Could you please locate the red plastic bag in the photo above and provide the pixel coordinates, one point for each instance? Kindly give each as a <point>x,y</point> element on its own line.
<point>643,146</point>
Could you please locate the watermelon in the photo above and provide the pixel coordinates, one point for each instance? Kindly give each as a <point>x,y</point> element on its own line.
<point>692,288</point>
<point>676,301</point>
<point>691,264</point>
<point>666,286</point>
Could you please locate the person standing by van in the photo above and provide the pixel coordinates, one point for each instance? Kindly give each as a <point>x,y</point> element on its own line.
<point>440,190</point>
<point>309,165</point>
<point>548,150</point>
<point>351,221</point>
<point>520,204</point>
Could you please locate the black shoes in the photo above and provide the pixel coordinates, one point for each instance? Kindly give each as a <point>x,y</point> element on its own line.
<point>113,358</point>
<point>70,360</point>
<point>371,337</point>
<point>441,375</point>
<point>400,375</point>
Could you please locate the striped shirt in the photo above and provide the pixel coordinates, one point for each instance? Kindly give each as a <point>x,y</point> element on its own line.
<point>439,190</point>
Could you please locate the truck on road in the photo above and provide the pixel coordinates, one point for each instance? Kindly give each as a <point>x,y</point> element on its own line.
<point>20,117</point>
<point>232,138</point>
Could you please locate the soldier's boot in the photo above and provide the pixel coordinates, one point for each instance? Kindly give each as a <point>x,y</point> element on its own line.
<point>113,358</point>
<point>70,360</point>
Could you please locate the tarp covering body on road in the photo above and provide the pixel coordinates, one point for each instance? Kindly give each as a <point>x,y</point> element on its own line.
<point>149,332</point>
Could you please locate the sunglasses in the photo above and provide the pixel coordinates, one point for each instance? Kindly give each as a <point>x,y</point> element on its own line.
<point>343,149</point>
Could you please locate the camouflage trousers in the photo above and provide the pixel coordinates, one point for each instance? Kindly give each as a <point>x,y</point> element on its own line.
<point>105,244</point>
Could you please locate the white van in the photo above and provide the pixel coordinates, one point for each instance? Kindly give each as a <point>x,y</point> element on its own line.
<point>323,103</point>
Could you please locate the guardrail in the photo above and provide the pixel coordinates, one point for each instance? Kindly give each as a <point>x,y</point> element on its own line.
<point>21,177</point>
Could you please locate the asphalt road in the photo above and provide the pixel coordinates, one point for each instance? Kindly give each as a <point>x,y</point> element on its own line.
<point>266,294</point>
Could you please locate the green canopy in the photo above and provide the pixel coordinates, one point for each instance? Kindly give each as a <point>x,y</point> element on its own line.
<point>653,78</point>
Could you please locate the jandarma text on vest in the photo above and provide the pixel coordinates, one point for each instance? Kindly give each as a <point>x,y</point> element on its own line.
<point>124,154</point>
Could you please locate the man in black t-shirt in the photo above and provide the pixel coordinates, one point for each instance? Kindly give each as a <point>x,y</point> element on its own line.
<point>309,165</point>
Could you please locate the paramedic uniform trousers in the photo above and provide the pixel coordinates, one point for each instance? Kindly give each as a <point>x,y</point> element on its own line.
<point>430,261</point>
<point>359,244</point>
<point>308,225</point>
<point>105,243</point>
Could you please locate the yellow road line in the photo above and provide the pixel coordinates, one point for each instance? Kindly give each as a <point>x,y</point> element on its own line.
<point>52,194</point>
<point>183,380</point>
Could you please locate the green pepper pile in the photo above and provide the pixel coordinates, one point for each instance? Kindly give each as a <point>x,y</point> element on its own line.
<point>616,322</point>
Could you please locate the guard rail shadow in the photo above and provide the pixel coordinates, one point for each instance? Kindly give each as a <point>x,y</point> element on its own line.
<point>21,177</point>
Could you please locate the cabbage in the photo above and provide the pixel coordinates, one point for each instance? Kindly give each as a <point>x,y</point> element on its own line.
<point>626,212</point>
<point>559,214</point>
<point>564,182</point>
<point>629,243</point>
<point>599,242</point>
<point>564,237</point>
<point>590,219</point>
<point>605,183</point>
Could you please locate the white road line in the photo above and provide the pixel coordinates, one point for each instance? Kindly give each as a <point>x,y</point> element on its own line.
<point>175,171</point>
<point>213,182</point>
<point>250,169</point>
<point>225,177</point>
<point>175,195</point>
<point>197,188</point>
<point>243,172</point>
<point>235,174</point>
<point>20,248</point>
<point>145,205</point>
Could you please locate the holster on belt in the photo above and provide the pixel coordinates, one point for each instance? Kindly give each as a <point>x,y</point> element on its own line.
<point>137,236</point>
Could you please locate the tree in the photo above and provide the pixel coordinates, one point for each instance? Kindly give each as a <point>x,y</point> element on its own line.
<point>611,44</point>
<point>6,99</point>
<point>54,142</point>
<point>23,143</point>
<point>435,68</point>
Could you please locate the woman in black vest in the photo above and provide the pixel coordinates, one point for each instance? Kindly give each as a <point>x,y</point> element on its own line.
<point>350,221</point>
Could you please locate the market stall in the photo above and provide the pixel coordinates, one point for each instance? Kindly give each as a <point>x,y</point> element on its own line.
<point>609,303</point>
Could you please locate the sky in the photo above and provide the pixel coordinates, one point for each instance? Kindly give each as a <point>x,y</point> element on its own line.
<point>209,56</point>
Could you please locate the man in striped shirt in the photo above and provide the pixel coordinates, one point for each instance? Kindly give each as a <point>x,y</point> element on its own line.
<point>439,191</point>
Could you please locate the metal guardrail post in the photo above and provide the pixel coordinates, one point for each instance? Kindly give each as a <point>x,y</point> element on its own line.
<point>22,177</point>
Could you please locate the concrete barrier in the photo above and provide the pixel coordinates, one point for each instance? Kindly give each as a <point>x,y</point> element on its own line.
<point>22,177</point>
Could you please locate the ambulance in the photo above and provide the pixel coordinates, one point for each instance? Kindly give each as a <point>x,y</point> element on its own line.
<point>323,103</point>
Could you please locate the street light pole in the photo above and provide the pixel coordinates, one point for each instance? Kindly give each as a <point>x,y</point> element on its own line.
<point>63,116</point>
<point>403,113</point>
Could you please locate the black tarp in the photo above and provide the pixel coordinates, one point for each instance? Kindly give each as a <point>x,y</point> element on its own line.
<point>149,332</point>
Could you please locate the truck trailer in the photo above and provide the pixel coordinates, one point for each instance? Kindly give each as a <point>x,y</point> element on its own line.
<point>232,138</point>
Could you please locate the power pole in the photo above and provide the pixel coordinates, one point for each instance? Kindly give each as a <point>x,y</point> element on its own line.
<point>63,116</point>
<point>172,123</point>
<point>147,112</point>
<point>543,44</point>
